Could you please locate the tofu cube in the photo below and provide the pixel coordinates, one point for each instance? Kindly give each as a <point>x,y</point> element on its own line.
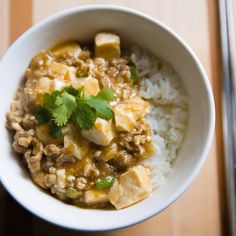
<point>90,84</point>
<point>102,133</point>
<point>127,113</point>
<point>57,70</point>
<point>110,152</point>
<point>124,118</point>
<point>75,144</point>
<point>45,84</point>
<point>95,196</point>
<point>138,106</point>
<point>71,48</point>
<point>58,84</point>
<point>107,45</point>
<point>131,187</point>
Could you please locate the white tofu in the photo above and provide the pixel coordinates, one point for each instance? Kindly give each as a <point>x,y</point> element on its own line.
<point>75,144</point>
<point>57,70</point>
<point>124,118</point>
<point>138,106</point>
<point>58,84</point>
<point>71,48</point>
<point>95,196</point>
<point>127,113</point>
<point>90,84</point>
<point>45,84</point>
<point>101,134</point>
<point>131,187</point>
<point>107,45</point>
<point>110,152</point>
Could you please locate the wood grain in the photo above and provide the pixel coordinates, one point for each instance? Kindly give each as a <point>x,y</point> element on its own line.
<point>200,211</point>
<point>20,17</point>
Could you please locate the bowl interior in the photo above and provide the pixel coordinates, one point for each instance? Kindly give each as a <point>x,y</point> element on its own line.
<point>82,24</point>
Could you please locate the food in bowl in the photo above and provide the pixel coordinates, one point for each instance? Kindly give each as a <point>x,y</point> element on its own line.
<point>98,127</point>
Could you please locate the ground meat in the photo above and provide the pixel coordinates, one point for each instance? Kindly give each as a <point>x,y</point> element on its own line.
<point>137,139</point>
<point>114,74</point>
<point>85,54</point>
<point>52,150</point>
<point>52,170</point>
<point>83,69</point>
<point>22,140</point>
<point>33,156</point>
<point>123,160</point>
<point>64,158</point>
<point>46,165</point>
<point>29,121</point>
<point>39,179</point>
<point>15,116</point>
<point>90,170</point>
<point>70,181</point>
<point>81,183</point>
<point>59,192</point>
<point>49,180</point>
<point>133,146</point>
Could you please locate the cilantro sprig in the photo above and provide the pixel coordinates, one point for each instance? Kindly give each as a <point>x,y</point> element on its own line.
<point>69,104</point>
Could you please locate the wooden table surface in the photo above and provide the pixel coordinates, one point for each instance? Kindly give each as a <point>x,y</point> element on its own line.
<point>201,209</point>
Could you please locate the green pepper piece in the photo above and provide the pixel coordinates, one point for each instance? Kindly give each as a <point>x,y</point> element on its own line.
<point>72,193</point>
<point>134,76</point>
<point>106,182</point>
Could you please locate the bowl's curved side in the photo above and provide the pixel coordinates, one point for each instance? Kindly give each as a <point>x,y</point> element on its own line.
<point>139,29</point>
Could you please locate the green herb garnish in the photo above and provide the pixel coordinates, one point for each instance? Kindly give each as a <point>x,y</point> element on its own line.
<point>70,104</point>
<point>54,130</point>
<point>65,105</point>
<point>105,182</point>
<point>106,94</point>
<point>134,75</point>
<point>84,116</point>
<point>41,114</point>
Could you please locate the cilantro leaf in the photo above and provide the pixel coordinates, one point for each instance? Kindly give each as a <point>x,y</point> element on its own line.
<point>41,114</point>
<point>134,76</point>
<point>103,109</point>
<point>50,99</point>
<point>71,90</point>
<point>65,105</point>
<point>106,94</point>
<point>60,106</point>
<point>84,116</point>
<point>54,130</point>
<point>81,93</point>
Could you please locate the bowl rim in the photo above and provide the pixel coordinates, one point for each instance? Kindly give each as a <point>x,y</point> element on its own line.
<point>204,78</point>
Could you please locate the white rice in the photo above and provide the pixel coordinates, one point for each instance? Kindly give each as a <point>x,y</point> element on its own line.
<point>161,86</point>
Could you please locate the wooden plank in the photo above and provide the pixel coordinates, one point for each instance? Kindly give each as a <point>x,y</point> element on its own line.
<point>20,17</point>
<point>197,212</point>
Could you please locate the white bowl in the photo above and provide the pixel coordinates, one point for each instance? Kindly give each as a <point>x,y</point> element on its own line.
<point>134,28</point>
